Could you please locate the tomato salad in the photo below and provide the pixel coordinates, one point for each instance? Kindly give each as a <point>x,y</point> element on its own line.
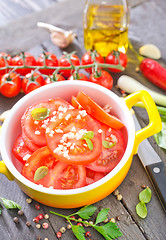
<point>68,146</point>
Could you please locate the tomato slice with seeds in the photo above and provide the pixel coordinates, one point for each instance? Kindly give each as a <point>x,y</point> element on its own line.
<point>109,157</point>
<point>35,129</point>
<point>20,151</point>
<point>29,144</point>
<point>41,157</point>
<point>93,176</point>
<point>64,138</point>
<point>68,176</point>
<point>98,112</point>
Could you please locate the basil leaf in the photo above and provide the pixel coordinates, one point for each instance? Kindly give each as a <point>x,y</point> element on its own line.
<point>102,215</point>
<point>78,231</point>
<point>9,204</point>
<point>107,144</point>
<point>145,195</point>
<point>160,137</point>
<point>141,209</point>
<point>40,113</point>
<point>88,135</point>
<point>89,143</point>
<point>40,173</point>
<point>86,212</point>
<point>109,231</point>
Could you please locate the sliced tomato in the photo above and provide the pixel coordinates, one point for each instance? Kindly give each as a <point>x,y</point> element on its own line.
<point>41,157</point>
<point>65,176</point>
<point>75,103</point>
<point>64,138</point>
<point>35,129</point>
<point>93,176</point>
<point>109,157</point>
<point>20,151</point>
<point>29,144</point>
<point>97,112</point>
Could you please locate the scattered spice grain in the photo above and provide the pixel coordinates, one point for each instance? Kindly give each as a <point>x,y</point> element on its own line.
<point>112,220</point>
<point>68,226</point>
<point>116,192</point>
<point>29,200</point>
<point>62,229</point>
<point>119,197</point>
<point>37,206</point>
<point>20,212</point>
<point>16,220</point>
<point>28,224</point>
<point>118,218</point>
<point>38,226</point>
<point>46,216</point>
<point>59,234</point>
<point>45,225</point>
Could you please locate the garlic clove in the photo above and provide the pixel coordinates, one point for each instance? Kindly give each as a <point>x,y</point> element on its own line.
<point>151,51</point>
<point>4,115</point>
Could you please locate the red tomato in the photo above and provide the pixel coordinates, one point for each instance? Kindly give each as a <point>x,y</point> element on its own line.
<point>109,157</point>
<point>32,81</point>
<point>112,59</point>
<point>35,129</point>
<point>50,60</point>
<point>64,62</point>
<point>97,112</point>
<point>64,138</point>
<point>41,157</point>
<point>75,103</point>
<point>65,176</point>
<point>79,76</point>
<point>29,61</point>
<point>10,84</point>
<point>2,62</point>
<point>102,78</point>
<point>54,78</point>
<point>93,176</point>
<point>20,151</point>
<point>28,142</point>
<point>87,59</point>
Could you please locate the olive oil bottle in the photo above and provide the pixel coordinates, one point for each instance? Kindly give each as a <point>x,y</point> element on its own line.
<point>106,25</point>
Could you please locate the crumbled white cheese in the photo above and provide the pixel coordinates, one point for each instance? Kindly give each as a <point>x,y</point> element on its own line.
<point>100,131</point>
<point>68,116</point>
<point>78,117</point>
<point>26,157</point>
<point>37,132</point>
<point>58,130</point>
<point>36,122</point>
<point>83,113</point>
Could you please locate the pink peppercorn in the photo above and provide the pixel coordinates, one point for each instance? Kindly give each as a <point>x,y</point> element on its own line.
<point>36,219</point>
<point>59,234</point>
<point>37,206</point>
<point>45,225</point>
<point>80,224</point>
<point>40,216</point>
<point>88,234</point>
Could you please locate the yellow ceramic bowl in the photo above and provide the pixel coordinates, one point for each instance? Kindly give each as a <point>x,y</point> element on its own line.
<point>92,193</point>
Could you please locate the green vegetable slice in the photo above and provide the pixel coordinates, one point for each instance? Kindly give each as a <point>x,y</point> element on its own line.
<point>40,113</point>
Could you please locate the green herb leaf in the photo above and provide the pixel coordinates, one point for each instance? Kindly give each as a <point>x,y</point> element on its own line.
<point>87,211</point>
<point>145,195</point>
<point>78,232</point>
<point>102,215</point>
<point>141,209</point>
<point>40,173</point>
<point>88,135</point>
<point>9,204</point>
<point>40,113</point>
<point>107,144</point>
<point>160,137</point>
<point>109,231</point>
<point>89,143</point>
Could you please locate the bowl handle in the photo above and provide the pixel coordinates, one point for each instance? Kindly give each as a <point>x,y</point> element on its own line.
<point>154,125</point>
<point>4,170</point>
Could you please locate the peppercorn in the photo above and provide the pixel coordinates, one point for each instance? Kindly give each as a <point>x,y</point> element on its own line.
<point>68,226</point>
<point>28,224</point>
<point>36,219</point>
<point>45,225</point>
<point>112,220</point>
<point>80,219</point>
<point>38,238</point>
<point>119,197</point>
<point>90,222</point>
<point>46,216</point>
<point>45,238</point>
<point>15,220</point>
<point>105,220</point>
<point>20,212</point>
<point>79,224</point>
<point>116,192</point>
<point>59,234</point>
<point>40,216</point>
<point>143,186</point>
<point>38,225</point>
<point>118,218</point>
<point>85,224</point>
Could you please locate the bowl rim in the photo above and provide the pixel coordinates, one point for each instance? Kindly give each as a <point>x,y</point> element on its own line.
<point>17,175</point>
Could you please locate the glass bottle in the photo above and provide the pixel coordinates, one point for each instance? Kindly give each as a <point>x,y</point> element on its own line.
<point>106,25</point>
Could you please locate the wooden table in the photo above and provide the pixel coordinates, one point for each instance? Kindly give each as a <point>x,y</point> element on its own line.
<point>147,25</point>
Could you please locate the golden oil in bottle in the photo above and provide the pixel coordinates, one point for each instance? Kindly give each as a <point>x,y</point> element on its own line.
<point>105,26</point>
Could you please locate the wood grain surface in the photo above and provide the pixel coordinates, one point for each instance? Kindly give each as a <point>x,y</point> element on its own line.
<point>19,33</point>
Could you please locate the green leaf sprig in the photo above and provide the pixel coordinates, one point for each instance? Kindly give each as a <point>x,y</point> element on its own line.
<point>144,197</point>
<point>9,204</point>
<point>87,137</point>
<point>109,230</point>
<point>107,144</point>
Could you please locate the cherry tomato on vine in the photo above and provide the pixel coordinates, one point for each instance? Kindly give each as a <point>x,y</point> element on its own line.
<point>112,59</point>
<point>87,59</point>
<point>32,81</point>
<point>102,78</point>
<point>79,76</point>
<point>54,78</point>
<point>50,61</point>
<point>10,84</point>
<point>18,61</point>
<point>64,61</point>
<point>2,62</point>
